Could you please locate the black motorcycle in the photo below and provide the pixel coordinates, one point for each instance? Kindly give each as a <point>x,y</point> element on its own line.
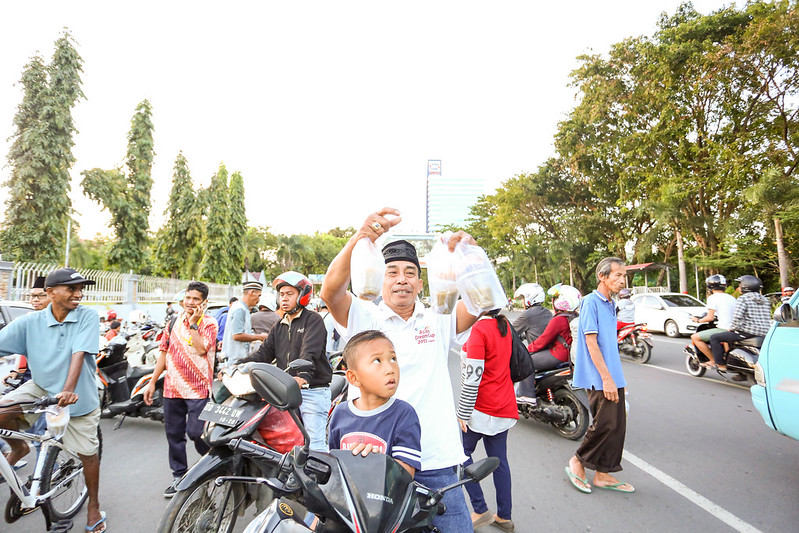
<point>121,386</point>
<point>559,403</point>
<point>741,358</point>
<point>199,505</point>
<point>339,491</point>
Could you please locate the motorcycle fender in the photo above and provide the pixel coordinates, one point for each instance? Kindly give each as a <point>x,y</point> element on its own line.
<point>581,395</point>
<point>277,518</point>
<point>217,460</point>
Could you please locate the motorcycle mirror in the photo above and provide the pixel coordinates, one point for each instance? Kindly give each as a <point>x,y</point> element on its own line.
<point>301,365</point>
<point>480,469</point>
<point>785,313</point>
<point>275,386</point>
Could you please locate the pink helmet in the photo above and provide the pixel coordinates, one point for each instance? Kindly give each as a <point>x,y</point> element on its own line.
<point>567,298</point>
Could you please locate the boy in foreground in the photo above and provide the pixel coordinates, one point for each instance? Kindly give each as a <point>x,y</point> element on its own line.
<point>376,422</point>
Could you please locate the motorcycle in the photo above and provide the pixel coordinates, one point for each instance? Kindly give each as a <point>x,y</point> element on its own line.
<point>338,383</point>
<point>121,387</point>
<point>199,505</point>
<point>559,403</point>
<point>635,343</point>
<point>741,358</point>
<point>143,343</point>
<point>339,491</point>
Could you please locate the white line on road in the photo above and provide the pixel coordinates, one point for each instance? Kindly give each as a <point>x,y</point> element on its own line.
<point>691,495</point>
<point>681,373</point>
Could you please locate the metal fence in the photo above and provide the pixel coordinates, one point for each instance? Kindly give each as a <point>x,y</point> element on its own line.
<point>16,280</point>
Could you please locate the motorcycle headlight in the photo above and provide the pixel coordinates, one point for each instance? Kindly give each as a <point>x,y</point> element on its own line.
<point>760,375</point>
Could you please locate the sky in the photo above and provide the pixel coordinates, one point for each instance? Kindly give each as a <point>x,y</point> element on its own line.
<point>330,110</point>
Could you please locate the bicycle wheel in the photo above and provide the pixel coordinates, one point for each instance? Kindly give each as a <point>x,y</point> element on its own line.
<point>204,508</point>
<point>63,471</point>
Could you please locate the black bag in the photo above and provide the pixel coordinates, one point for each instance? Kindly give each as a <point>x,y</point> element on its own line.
<point>521,364</point>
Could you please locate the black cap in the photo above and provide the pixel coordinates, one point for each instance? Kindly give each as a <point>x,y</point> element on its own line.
<point>400,251</point>
<point>38,283</point>
<point>65,276</point>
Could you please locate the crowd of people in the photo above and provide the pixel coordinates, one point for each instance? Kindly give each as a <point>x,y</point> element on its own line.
<point>395,353</point>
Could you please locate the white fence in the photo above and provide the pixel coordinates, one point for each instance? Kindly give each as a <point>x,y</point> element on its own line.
<point>16,280</point>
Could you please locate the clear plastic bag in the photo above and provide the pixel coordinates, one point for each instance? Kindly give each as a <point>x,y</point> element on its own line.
<point>441,277</point>
<point>477,282</point>
<point>57,420</point>
<point>367,268</point>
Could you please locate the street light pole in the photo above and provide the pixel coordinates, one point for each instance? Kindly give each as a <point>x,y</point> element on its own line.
<point>69,233</point>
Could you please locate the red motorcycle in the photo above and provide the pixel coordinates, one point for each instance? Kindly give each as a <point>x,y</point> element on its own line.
<point>635,343</point>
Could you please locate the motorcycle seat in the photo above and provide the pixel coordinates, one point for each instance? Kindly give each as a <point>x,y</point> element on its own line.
<point>138,371</point>
<point>755,342</point>
<point>337,384</point>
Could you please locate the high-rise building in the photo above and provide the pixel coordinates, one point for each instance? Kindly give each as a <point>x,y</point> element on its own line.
<point>449,199</point>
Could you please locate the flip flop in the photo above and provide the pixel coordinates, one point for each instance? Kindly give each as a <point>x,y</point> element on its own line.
<point>99,522</point>
<point>573,478</point>
<point>616,487</point>
<point>708,364</point>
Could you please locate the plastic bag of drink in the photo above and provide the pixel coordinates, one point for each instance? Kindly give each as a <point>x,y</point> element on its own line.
<point>477,281</point>
<point>367,268</point>
<point>57,420</point>
<point>441,277</point>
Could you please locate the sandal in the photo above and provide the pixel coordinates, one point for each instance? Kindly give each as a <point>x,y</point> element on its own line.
<point>574,478</point>
<point>101,522</point>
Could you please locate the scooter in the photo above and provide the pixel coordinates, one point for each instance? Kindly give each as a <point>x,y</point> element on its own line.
<point>559,403</point>
<point>635,343</point>
<point>339,491</point>
<point>741,359</point>
<point>199,505</point>
<point>143,343</point>
<point>339,385</point>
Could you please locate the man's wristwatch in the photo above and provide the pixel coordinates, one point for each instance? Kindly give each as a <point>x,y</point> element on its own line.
<point>194,327</point>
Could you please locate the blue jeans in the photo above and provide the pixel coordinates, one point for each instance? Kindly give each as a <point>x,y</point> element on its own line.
<point>496,446</point>
<point>457,518</point>
<point>314,409</point>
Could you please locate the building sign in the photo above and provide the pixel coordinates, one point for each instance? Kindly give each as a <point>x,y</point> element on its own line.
<point>433,166</point>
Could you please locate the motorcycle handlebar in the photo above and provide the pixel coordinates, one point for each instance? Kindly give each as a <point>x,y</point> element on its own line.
<point>253,450</point>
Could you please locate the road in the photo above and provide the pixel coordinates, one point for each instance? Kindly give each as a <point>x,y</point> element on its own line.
<point>697,452</point>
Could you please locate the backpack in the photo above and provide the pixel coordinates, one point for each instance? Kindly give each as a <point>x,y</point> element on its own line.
<point>168,328</point>
<point>521,364</point>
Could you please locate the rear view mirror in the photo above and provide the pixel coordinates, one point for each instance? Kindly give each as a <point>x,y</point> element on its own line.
<point>480,469</point>
<point>785,313</point>
<point>301,365</point>
<point>275,386</point>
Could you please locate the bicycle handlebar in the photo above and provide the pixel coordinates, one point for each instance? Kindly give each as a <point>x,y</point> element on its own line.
<point>44,401</point>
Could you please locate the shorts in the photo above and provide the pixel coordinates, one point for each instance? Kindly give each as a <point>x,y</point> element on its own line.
<point>81,434</point>
<point>704,335</point>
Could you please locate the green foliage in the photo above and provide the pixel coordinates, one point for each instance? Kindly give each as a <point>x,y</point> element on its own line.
<point>40,157</point>
<point>183,230</point>
<point>217,265</point>
<point>127,198</point>
<point>238,223</point>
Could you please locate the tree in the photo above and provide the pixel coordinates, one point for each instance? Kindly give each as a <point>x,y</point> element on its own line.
<point>40,157</point>
<point>294,252</point>
<point>127,198</point>
<point>183,229</point>
<point>238,223</point>
<point>216,264</point>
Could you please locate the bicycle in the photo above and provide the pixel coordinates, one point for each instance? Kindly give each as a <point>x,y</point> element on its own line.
<point>57,485</point>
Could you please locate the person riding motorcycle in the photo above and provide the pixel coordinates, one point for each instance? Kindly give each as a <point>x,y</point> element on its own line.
<point>625,309</point>
<point>787,292</point>
<point>551,348</point>
<point>532,322</point>
<point>720,308</point>
<point>750,318</point>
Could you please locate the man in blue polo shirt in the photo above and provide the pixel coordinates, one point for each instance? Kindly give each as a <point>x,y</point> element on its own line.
<point>597,368</point>
<point>60,342</point>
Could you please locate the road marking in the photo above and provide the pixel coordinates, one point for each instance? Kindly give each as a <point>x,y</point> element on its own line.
<point>691,495</point>
<point>670,340</point>
<point>682,373</point>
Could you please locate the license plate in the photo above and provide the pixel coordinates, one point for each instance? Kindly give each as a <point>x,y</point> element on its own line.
<point>224,415</point>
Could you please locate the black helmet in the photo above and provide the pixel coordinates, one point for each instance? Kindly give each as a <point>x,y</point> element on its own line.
<point>749,283</point>
<point>716,282</point>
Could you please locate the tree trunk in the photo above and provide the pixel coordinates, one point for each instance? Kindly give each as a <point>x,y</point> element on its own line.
<point>681,262</point>
<point>782,256</point>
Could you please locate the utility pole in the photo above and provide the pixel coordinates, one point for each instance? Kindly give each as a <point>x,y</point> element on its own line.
<point>69,234</point>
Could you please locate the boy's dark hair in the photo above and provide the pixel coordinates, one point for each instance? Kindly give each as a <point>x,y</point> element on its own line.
<point>200,287</point>
<point>233,300</point>
<point>352,345</point>
<point>115,324</point>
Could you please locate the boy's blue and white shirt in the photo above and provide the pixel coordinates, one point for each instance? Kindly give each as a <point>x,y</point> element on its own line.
<point>393,427</point>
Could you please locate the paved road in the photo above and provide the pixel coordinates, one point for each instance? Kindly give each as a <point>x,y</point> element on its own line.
<point>698,454</point>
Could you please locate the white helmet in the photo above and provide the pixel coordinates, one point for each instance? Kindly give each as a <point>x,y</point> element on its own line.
<point>567,299</point>
<point>137,316</point>
<point>268,300</point>
<point>533,293</point>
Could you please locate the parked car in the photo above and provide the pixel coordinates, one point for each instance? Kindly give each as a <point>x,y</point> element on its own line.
<point>10,310</point>
<point>669,312</point>
<point>776,390</point>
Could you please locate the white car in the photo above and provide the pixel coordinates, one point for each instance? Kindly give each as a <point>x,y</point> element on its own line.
<point>669,312</point>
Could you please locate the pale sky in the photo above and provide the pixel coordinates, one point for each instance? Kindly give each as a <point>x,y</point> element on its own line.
<point>330,110</point>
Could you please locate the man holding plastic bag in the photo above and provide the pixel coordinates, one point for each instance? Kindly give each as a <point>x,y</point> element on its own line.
<point>422,338</point>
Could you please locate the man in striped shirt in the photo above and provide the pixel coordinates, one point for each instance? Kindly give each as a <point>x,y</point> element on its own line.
<point>187,356</point>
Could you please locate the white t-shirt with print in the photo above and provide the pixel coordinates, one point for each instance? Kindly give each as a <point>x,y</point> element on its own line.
<point>723,304</point>
<point>422,344</point>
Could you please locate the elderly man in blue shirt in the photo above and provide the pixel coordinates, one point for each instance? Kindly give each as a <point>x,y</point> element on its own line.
<point>60,342</point>
<point>597,368</point>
